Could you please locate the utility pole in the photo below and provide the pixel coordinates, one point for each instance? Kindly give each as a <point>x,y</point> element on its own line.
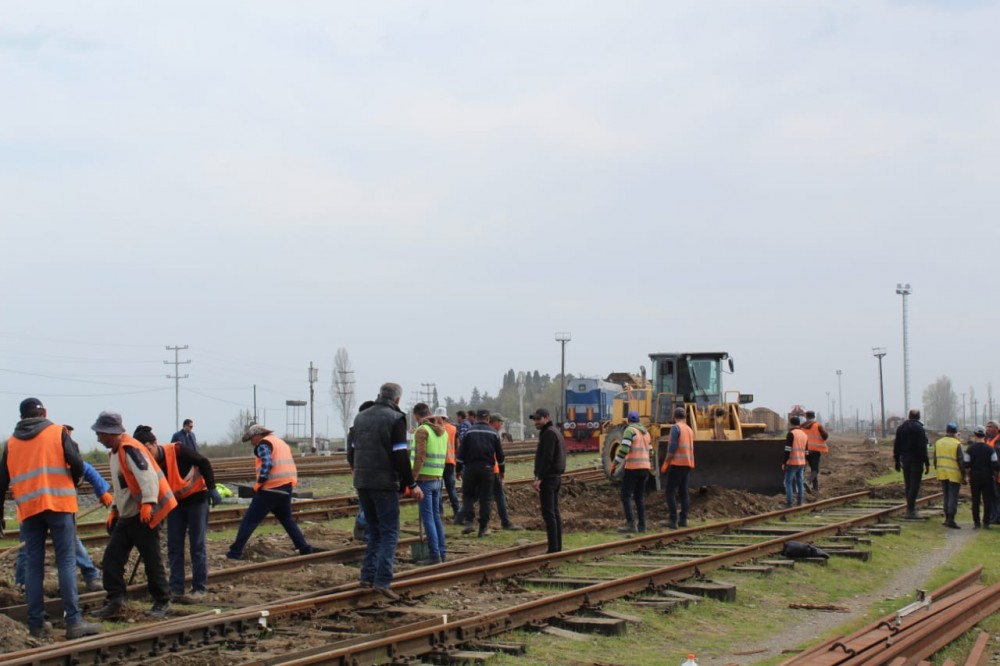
<point>963,412</point>
<point>255,403</point>
<point>905,290</point>
<point>428,392</point>
<point>520,400</point>
<point>313,377</point>
<point>563,337</point>
<point>840,398</point>
<point>177,377</point>
<point>829,414</point>
<point>879,353</point>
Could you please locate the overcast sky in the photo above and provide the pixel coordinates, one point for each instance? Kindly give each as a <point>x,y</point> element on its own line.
<point>440,187</point>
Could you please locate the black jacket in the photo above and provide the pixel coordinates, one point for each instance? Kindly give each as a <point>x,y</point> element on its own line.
<point>479,449</point>
<point>550,456</point>
<point>381,457</point>
<point>910,445</point>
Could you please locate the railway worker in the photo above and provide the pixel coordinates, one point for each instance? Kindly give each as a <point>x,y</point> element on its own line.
<point>277,477</point>
<point>795,460</point>
<point>634,457</point>
<point>449,462</point>
<point>949,461</point>
<point>381,473</point>
<point>982,463</point>
<point>478,452</point>
<point>464,423</point>
<point>550,465</point>
<point>190,476</point>
<point>430,449</point>
<point>185,436</point>
<point>909,451</point>
<point>816,446</point>
<point>41,465</point>
<point>677,466</point>
<point>499,493</point>
<point>992,439</point>
<point>359,519</point>
<point>143,499</point>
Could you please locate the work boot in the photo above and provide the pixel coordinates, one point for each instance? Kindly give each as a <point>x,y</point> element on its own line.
<point>359,532</point>
<point>912,515</point>
<point>160,609</point>
<point>387,592</point>
<point>93,585</point>
<point>468,529</point>
<point>511,527</point>
<point>81,629</point>
<point>642,528</point>
<point>683,522</point>
<point>486,531</point>
<point>950,522</point>
<point>44,630</point>
<point>112,608</point>
<point>628,528</point>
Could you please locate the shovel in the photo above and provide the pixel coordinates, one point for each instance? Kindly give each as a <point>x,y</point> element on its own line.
<point>419,551</point>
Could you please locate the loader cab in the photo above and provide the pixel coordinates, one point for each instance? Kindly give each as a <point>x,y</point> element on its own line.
<point>692,378</point>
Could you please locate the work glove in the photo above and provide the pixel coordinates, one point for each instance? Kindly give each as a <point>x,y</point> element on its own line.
<point>664,466</point>
<point>214,498</point>
<point>614,466</point>
<point>146,513</point>
<point>782,467</point>
<point>111,521</point>
<point>899,468</point>
<point>107,499</point>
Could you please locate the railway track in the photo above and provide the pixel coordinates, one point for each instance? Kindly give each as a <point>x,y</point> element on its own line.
<point>649,562</point>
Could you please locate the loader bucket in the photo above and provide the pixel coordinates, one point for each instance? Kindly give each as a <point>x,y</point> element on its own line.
<point>742,464</point>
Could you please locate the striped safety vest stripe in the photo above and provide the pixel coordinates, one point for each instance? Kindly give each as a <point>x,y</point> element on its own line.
<point>638,454</point>
<point>39,478</point>
<point>797,451</point>
<point>183,486</point>
<point>435,455</point>
<point>816,441</point>
<point>684,455</point>
<point>165,500</point>
<point>283,469</point>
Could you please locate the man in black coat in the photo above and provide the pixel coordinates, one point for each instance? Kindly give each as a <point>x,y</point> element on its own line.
<point>909,451</point>
<point>550,463</point>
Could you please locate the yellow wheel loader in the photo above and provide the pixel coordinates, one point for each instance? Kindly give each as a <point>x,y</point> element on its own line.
<point>727,452</point>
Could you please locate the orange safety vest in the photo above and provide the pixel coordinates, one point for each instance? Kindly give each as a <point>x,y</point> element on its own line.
<point>797,455</point>
<point>684,455</point>
<point>39,478</point>
<point>452,431</point>
<point>165,500</point>
<point>993,442</point>
<point>638,455</point>
<point>816,441</point>
<point>183,486</point>
<point>283,469</point>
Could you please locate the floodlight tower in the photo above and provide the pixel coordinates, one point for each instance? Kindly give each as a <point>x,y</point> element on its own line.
<point>563,337</point>
<point>905,290</point>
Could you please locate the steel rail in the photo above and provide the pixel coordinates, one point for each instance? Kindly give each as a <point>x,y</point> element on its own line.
<point>432,578</point>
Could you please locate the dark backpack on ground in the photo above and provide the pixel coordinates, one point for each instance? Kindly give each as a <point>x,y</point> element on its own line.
<point>798,549</point>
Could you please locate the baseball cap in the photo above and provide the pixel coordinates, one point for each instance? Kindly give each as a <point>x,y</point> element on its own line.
<point>979,430</point>
<point>482,413</point>
<point>496,417</point>
<point>539,413</point>
<point>109,423</point>
<point>633,417</point>
<point>441,411</point>
<point>254,430</point>
<point>29,405</point>
<point>951,427</point>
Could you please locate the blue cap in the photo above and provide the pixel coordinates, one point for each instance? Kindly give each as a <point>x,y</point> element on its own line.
<point>633,417</point>
<point>951,427</point>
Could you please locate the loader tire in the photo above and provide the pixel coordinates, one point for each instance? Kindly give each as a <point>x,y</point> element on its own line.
<point>611,443</point>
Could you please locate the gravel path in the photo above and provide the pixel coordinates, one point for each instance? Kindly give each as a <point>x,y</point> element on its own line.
<point>818,623</point>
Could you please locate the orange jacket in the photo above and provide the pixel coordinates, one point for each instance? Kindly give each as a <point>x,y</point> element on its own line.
<point>452,432</point>
<point>816,441</point>
<point>182,486</point>
<point>165,500</point>
<point>39,478</point>
<point>283,469</point>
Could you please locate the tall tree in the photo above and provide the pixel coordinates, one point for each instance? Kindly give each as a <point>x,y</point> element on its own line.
<point>342,388</point>
<point>940,403</point>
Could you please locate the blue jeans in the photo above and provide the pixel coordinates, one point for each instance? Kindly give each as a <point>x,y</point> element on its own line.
<point>187,521</point>
<point>62,527</point>
<point>430,516</point>
<point>793,483</point>
<point>381,535</point>
<point>83,563</point>
<point>278,502</point>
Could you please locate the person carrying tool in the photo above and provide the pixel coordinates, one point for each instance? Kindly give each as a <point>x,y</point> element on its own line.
<point>277,477</point>
<point>430,449</point>
<point>816,446</point>
<point>795,460</point>
<point>949,461</point>
<point>982,463</point>
<point>909,452</point>
<point>190,476</point>
<point>677,465</point>
<point>41,466</point>
<point>143,499</point>
<point>634,457</point>
<point>382,473</point>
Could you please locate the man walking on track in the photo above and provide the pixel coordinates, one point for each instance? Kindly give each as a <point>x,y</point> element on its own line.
<point>550,465</point>
<point>816,446</point>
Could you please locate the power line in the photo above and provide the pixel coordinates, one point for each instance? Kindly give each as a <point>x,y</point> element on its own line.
<point>177,381</point>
